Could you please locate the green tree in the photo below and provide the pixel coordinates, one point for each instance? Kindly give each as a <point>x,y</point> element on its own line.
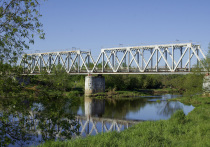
<point>207,61</point>
<point>193,84</point>
<point>18,117</point>
<point>19,22</point>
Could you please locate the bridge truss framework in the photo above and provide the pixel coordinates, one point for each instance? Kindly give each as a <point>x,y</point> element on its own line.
<point>165,58</point>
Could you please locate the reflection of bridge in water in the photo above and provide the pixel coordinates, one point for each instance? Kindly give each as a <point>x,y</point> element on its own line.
<point>88,125</point>
<point>93,122</point>
<point>41,125</point>
<point>95,125</point>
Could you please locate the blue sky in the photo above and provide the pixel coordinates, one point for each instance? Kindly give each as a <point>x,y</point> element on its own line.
<point>94,24</point>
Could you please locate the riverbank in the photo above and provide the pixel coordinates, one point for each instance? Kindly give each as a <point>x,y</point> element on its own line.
<point>132,94</point>
<point>37,90</point>
<point>179,130</point>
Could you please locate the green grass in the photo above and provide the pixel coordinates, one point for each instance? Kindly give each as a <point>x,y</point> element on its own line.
<point>179,130</point>
<point>165,91</point>
<point>118,95</point>
<point>111,93</point>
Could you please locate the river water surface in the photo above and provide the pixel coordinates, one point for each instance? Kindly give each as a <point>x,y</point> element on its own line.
<point>96,115</point>
<point>27,122</point>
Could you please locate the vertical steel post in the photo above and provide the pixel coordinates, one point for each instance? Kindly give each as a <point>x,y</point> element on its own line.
<point>128,59</point>
<point>180,56</point>
<point>125,59</point>
<point>40,60</point>
<point>58,59</point>
<point>166,58</point>
<point>49,68</point>
<point>68,61</point>
<point>112,59</point>
<point>189,58</point>
<point>115,60</point>
<point>102,62</point>
<point>151,59</point>
<point>137,57</point>
<point>78,60</point>
<point>173,58</point>
<point>156,59</point>
<point>142,60</point>
<point>88,61</point>
<point>198,56</point>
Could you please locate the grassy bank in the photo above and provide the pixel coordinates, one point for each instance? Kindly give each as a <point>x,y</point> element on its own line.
<point>112,93</point>
<point>117,94</point>
<point>166,91</point>
<point>179,130</point>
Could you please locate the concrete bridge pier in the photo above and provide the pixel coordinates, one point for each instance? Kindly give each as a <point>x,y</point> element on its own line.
<point>94,84</point>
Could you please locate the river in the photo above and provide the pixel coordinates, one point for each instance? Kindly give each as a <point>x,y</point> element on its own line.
<point>31,122</point>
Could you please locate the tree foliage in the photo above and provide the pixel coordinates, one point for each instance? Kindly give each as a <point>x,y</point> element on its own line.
<point>27,121</point>
<point>19,23</point>
<point>207,62</point>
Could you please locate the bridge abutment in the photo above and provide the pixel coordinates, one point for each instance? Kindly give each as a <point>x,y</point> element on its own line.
<point>206,85</point>
<point>94,84</point>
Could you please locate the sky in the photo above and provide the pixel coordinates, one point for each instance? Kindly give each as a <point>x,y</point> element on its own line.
<point>95,24</point>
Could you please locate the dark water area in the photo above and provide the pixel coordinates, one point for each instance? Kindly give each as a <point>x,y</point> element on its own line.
<point>26,122</point>
<point>103,115</point>
<point>154,107</point>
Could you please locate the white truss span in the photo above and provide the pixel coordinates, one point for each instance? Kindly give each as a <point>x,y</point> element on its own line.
<point>165,58</point>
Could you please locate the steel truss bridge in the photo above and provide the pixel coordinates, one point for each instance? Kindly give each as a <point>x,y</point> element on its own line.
<point>152,59</point>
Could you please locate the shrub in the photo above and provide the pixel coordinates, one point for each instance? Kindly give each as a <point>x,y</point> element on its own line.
<point>178,117</point>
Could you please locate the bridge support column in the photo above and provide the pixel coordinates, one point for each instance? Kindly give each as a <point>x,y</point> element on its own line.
<point>206,84</point>
<point>94,84</point>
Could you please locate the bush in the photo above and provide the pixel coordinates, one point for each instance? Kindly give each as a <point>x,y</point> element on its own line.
<point>178,117</point>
